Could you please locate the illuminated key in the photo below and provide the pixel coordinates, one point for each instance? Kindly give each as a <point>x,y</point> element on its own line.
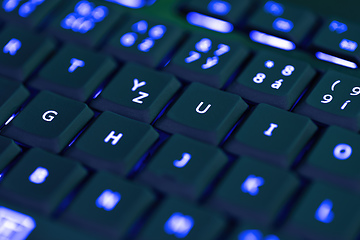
<point>334,158</point>
<point>185,165</point>
<point>254,190</point>
<point>85,22</point>
<point>325,212</point>
<point>282,20</point>
<point>41,180</point>
<point>178,219</point>
<point>210,61</point>
<point>21,52</point>
<point>15,225</point>
<point>342,40</point>
<point>74,72</point>
<point>29,13</point>
<point>144,41</point>
<point>271,134</point>
<point>100,205</point>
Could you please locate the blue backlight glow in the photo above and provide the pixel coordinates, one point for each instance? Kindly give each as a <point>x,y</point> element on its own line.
<point>283,25</point>
<point>204,45</point>
<point>133,3</point>
<point>27,8</point>
<point>10,5</point>
<point>140,27</point>
<point>338,27</point>
<point>251,185</point>
<point>274,8</point>
<point>324,212</point>
<point>339,61</point>
<point>15,225</point>
<point>342,151</point>
<point>12,46</point>
<point>128,39</point>
<point>39,175</point>
<point>179,225</point>
<point>254,234</point>
<point>157,32</point>
<point>348,45</point>
<point>108,200</point>
<point>219,7</point>
<point>10,119</point>
<point>210,23</point>
<point>84,17</point>
<point>272,41</point>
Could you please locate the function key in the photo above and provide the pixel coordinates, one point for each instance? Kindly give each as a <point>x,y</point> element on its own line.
<point>254,191</point>
<point>108,206</point>
<point>339,38</point>
<point>137,92</point>
<point>144,41</point>
<point>177,219</point>
<point>12,95</point>
<point>22,52</point>
<point>8,151</point>
<point>41,180</point>
<point>203,113</point>
<point>325,213</point>
<point>229,10</point>
<point>29,13</point>
<point>282,20</point>
<point>334,101</point>
<point>209,61</point>
<point>335,158</point>
<point>272,134</point>
<point>49,121</point>
<point>85,22</point>
<point>273,79</point>
<point>74,72</point>
<point>183,166</point>
<point>114,143</point>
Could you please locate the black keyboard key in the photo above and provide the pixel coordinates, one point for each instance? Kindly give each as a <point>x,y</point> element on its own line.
<point>22,52</point>
<point>74,72</point>
<point>17,223</point>
<point>203,113</point>
<point>183,166</point>
<point>85,22</point>
<point>177,219</point>
<point>108,206</point>
<point>114,143</point>
<point>41,180</point>
<point>273,79</point>
<point>144,41</point>
<point>272,134</point>
<point>12,95</point>
<point>283,20</point>
<point>338,38</point>
<point>49,121</point>
<point>325,213</point>
<point>28,13</point>
<point>254,191</point>
<point>334,158</point>
<point>8,151</point>
<point>137,92</point>
<point>334,101</point>
<point>230,10</point>
<point>209,61</point>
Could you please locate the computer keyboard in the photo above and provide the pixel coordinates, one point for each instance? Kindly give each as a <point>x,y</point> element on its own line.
<point>172,119</point>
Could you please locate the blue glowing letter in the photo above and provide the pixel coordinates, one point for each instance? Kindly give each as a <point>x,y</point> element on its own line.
<point>140,27</point>
<point>128,39</point>
<point>12,47</point>
<point>272,41</point>
<point>207,22</point>
<point>75,63</point>
<point>324,213</point>
<point>251,185</point>
<point>269,64</point>
<point>338,27</point>
<point>15,225</point>
<point>283,25</point>
<point>10,5</point>
<point>274,8</point>
<point>219,7</point>
<point>342,151</point>
<point>348,45</point>
<point>255,234</point>
<point>183,161</point>
<point>39,175</point>
<point>204,45</point>
<point>179,225</point>
<point>108,200</point>
<point>157,32</point>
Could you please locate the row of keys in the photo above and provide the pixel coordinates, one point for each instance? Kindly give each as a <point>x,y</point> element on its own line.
<point>99,205</point>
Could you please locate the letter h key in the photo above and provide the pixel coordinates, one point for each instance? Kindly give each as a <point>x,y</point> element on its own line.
<point>115,139</point>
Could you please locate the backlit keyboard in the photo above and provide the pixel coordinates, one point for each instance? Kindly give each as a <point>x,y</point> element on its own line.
<point>172,119</point>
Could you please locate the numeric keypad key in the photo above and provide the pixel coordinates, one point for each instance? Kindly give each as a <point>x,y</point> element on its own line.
<point>335,100</point>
